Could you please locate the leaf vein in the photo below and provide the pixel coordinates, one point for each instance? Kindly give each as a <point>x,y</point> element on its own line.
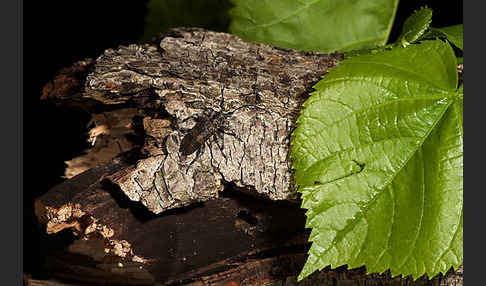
<point>419,230</point>
<point>397,68</point>
<point>375,106</point>
<point>392,222</point>
<point>452,240</point>
<point>280,20</point>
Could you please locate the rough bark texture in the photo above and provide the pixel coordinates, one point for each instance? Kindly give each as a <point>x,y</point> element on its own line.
<point>232,106</point>
<point>202,112</point>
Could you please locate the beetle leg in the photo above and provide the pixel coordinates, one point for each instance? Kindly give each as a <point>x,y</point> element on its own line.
<point>220,135</point>
<point>221,104</point>
<point>249,106</point>
<point>229,133</point>
<point>199,152</point>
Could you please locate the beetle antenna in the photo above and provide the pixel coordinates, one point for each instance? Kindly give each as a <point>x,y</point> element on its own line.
<point>221,104</point>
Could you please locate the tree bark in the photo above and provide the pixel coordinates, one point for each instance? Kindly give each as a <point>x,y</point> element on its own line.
<point>188,181</point>
<point>214,110</point>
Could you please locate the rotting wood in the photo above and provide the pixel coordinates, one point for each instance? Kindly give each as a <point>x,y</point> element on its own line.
<point>182,245</point>
<point>109,138</point>
<point>236,238</point>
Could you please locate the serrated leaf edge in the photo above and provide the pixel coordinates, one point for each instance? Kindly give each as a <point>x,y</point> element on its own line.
<point>439,118</point>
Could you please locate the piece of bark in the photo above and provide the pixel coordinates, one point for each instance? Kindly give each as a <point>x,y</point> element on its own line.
<point>237,101</point>
<point>35,282</point>
<point>235,239</point>
<point>69,83</point>
<point>109,137</point>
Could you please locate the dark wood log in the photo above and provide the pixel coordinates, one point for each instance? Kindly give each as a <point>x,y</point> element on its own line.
<point>235,239</point>
<point>176,245</point>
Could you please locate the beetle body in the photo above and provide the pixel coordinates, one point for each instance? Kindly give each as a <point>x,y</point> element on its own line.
<point>199,134</point>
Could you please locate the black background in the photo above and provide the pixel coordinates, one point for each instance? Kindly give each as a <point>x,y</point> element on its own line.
<point>59,33</point>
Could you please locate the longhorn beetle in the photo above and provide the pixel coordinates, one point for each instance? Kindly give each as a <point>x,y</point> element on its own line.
<point>207,126</point>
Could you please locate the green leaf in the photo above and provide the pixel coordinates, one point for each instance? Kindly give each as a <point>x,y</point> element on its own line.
<point>375,50</point>
<point>165,14</point>
<point>415,26</point>
<point>316,25</point>
<point>378,160</point>
<point>453,34</point>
